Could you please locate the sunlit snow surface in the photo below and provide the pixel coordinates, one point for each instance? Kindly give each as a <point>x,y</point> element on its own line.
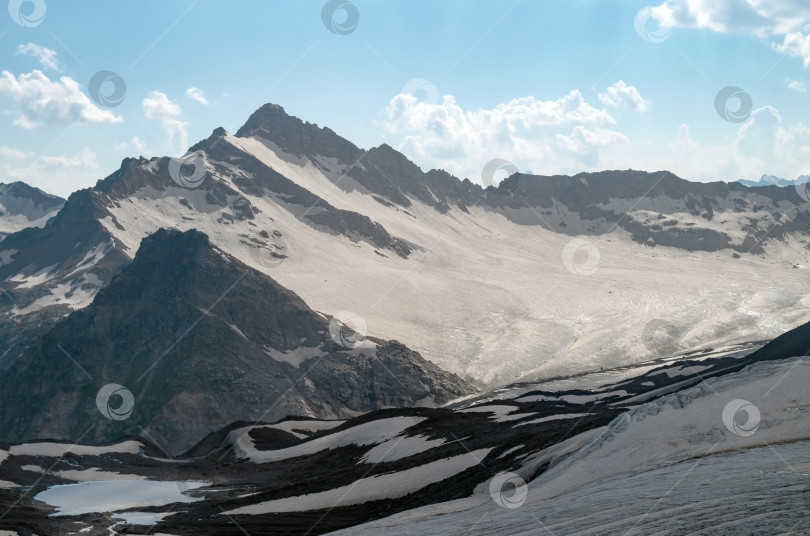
<point>667,467</point>
<point>478,286</point>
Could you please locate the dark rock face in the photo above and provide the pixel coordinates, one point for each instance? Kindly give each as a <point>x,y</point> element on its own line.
<point>201,340</point>
<point>56,254</point>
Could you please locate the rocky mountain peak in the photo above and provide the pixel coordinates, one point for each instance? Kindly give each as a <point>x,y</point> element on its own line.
<point>297,137</point>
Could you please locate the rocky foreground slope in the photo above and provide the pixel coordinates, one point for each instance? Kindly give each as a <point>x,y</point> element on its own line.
<point>658,451</point>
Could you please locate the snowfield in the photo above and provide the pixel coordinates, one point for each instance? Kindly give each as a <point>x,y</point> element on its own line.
<point>670,466</point>
<point>519,299</point>
<point>370,433</point>
<point>375,488</point>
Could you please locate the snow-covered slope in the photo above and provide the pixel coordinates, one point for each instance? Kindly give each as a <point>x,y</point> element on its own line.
<point>479,285</point>
<point>537,270</point>
<point>728,456</point>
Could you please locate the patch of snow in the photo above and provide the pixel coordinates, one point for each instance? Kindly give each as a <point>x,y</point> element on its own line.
<point>57,450</point>
<point>375,488</point>
<point>401,447</point>
<point>95,474</point>
<point>42,276</point>
<point>369,433</point>
<point>297,356</point>
<point>555,418</point>
<point>7,256</point>
<point>510,451</point>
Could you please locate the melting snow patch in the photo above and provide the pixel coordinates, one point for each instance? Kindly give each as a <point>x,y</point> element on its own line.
<point>401,447</point>
<point>375,488</point>
<point>368,433</point>
<point>297,356</point>
<point>555,418</point>
<point>56,450</point>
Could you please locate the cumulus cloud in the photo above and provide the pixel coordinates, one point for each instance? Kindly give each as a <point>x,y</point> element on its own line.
<point>45,56</point>
<point>796,44</point>
<point>562,135</point>
<point>136,144</point>
<point>762,145</point>
<point>728,16</point>
<point>42,100</point>
<point>625,97</point>
<point>14,154</point>
<point>196,94</point>
<point>157,105</point>
<point>796,85</point>
<point>59,174</point>
<point>87,158</point>
<point>787,20</point>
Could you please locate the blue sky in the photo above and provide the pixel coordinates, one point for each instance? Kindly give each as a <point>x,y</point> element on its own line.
<point>554,86</point>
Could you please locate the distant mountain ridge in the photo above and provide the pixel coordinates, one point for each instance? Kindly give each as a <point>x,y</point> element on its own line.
<point>24,206</point>
<point>771,180</point>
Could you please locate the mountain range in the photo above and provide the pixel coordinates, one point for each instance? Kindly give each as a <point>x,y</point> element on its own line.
<point>280,318</point>
<point>297,202</point>
<point>771,180</point>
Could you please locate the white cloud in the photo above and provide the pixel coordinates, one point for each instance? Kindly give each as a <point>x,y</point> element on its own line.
<point>562,135</point>
<point>87,158</point>
<point>41,100</point>
<point>135,144</point>
<point>762,145</point>
<point>61,174</point>
<point>622,96</point>
<point>195,93</point>
<point>157,105</point>
<point>14,154</point>
<point>757,17</point>
<point>45,56</point>
<point>796,44</point>
<point>796,85</point>
<point>787,20</point>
